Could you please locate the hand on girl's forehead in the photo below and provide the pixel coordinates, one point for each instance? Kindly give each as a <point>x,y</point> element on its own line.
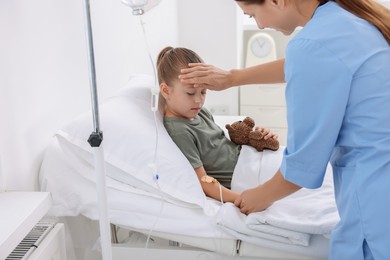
<point>190,86</point>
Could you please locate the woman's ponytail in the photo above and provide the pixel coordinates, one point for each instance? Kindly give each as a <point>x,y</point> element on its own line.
<point>371,11</point>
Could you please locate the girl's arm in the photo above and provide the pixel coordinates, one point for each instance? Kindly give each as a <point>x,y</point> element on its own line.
<point>212,188</point>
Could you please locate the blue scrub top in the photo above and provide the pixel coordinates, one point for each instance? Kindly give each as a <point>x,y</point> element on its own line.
<point>338,109</point>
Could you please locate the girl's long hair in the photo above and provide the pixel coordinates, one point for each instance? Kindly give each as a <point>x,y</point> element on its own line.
<point>169,63</point>
<point>369,10</point>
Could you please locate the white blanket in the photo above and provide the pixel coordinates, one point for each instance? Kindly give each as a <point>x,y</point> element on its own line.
<point>291,220</point>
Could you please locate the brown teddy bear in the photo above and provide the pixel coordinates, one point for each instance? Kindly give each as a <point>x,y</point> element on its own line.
<point>241,132</point>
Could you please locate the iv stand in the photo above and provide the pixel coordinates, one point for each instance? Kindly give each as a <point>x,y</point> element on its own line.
<point>95,140</point>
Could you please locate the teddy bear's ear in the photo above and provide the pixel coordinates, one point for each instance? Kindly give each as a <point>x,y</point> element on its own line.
<point>249,121</point>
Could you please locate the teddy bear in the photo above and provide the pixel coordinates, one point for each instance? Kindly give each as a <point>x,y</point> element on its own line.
<point>241,132</point>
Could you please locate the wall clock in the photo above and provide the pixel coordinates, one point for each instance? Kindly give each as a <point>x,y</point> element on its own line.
<point>261,49</point>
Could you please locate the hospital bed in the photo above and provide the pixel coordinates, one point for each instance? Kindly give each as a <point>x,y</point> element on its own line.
<point>153,192</point>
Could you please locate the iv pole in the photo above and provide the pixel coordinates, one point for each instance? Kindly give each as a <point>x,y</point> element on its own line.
<point>95,140</point>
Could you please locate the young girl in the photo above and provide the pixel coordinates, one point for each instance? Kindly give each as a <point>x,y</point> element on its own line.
<point>192,127</point>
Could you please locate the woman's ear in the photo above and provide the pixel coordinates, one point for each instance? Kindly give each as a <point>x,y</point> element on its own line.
<point>278,3</point>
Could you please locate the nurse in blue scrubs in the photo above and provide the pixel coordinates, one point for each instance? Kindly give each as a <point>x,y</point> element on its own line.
<point>337,70</point>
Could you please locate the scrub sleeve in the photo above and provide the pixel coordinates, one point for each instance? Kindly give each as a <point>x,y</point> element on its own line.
<point>316,95</point>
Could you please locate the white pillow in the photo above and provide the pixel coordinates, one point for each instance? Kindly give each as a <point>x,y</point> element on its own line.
<point>129,142</point>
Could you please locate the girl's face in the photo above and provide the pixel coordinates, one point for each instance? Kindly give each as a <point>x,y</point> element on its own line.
<point>183,100</point>
<point>276,14</point>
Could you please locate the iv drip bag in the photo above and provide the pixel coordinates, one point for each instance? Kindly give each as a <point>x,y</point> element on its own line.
<point>140,6</point>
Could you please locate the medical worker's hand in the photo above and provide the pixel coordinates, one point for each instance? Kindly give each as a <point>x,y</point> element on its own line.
<point>206,76</point>
<point>261,197</point>
<point>252,200</point>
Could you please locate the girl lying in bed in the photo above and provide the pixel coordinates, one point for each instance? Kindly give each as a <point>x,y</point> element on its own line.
<point>191,126</point>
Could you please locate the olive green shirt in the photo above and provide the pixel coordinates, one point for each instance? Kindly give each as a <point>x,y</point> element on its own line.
<point>204,143</point>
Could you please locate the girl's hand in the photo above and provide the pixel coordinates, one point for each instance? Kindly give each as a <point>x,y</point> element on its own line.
<point>206,76</point>
<point>267,133</point>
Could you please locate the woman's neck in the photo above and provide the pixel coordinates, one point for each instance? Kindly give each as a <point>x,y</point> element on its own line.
<point>308,9</point>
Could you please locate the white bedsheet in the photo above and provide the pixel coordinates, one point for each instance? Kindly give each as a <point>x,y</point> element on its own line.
<point>291,220</point>
<point>74,194</point>
<point>234,222</point>
<point>71,182</point>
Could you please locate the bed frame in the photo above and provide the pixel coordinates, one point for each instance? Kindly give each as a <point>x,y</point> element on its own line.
<point>173,246</point>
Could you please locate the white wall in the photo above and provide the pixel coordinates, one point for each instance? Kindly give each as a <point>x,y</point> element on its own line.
<point>209,27</point>
<point>44,72</point>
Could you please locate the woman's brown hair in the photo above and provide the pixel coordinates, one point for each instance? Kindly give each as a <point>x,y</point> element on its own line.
<point>369,10</point>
